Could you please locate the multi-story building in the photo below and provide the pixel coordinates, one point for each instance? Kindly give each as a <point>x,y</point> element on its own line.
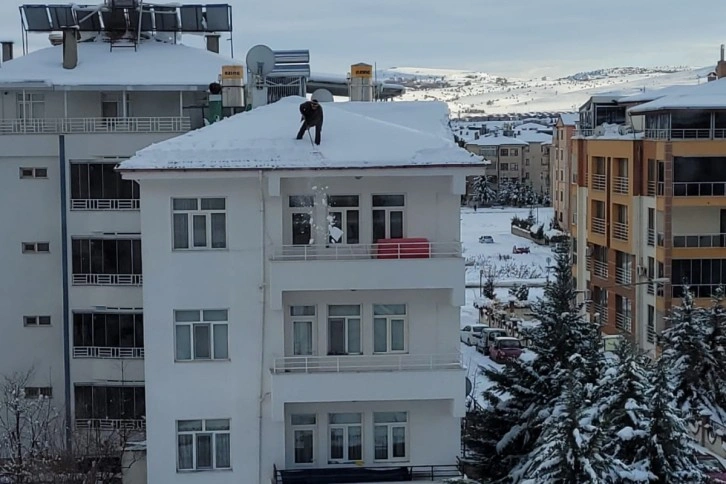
<point>650,204</point>
<point>564,173</point>
<point>536,168</point>
<point>505,154</point>
<point>303,304</point>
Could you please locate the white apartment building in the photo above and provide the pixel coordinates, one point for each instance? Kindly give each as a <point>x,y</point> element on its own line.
<point>71,283</point>
<point>302,305</point>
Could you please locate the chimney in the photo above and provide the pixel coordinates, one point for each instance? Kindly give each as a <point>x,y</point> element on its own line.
<point>721,66</point>
<point>70,49</point>
<point>213,43</point>
<point>7,51</point>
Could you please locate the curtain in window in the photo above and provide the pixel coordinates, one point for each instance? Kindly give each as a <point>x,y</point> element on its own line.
<point>181,231</point>
<point>380,436</point>
<point>186,453</point>
<point>398,435</point>
<point>221,451</point>
<point>199,223</point>
<point>397,335</point>
<point>183,343</point>
<point>220,341</point>
<point>219,230</point>
<point>354,345</point>
<point>380,335</point>
<point>202,348</point>
<point>336,443</point>
<point>303,446</point>
<point>204,451</point>
<point>303,338</point>
<point>355,443</point>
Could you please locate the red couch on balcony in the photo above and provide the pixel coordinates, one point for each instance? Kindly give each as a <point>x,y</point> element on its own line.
<point>409,248</point>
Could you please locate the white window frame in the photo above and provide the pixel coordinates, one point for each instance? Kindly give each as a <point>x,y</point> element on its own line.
<point>203,431</point>
<point>27,102</point>
<point>390,426</point>
<point>192,215</point>
<point>36,321</point>
<point>389,318</point>
<point>303,318</point>
<point>347,321</point>
<point>387,214</point>
<point>27,172</point>
<point>204,318</point>
<point>344,212</point>
<point>513,167</point>
<point>308,210</point>
<point>35,247</point>
<point>312,428</point>
<point>345,427</point>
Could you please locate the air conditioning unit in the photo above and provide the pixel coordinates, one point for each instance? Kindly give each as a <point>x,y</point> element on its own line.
<point>642,271</point>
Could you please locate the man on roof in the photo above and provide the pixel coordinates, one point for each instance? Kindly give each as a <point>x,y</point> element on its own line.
<point>312,115</point>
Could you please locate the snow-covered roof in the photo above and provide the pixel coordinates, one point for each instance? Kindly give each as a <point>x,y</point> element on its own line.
<point>570,119</point>
<point>354,135</point>
<point>711,95</point>
<point>653,94</point>
<point>153,64</point>
<point>530,127</point>
<point>534,137</point>
<point>497,141</point>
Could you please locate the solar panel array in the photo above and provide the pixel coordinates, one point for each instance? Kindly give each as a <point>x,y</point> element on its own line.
<point>91,18</point>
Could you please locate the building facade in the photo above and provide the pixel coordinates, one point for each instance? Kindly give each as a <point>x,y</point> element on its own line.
<point>283,344</point>
<point>563,175</point>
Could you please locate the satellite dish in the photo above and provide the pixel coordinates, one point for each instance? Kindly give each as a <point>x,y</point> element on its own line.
<point>469,386</point>
<point>260,60</point>
<point>323,96</point>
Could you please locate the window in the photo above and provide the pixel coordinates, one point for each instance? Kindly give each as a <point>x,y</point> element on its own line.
<point>199,223</point>
<point>514,152</point>
<point>303,322</point>
<point>31,247</point>
<point>346,437</point>
<point>203,444</point>
<point>504,166</point>
<point>389,433</point>
<point>343,219</point>
<point>344,330</point>
<point>504,152</point>
<point>301,213</point>
<point>108,330</point>
<point>96,403</point>
<point>36,320</point>
<point>201,334</point>
<point>32,106</point>
<point>303,437</point>
<point>34,173</point>
<point>526,175</point>
<point>389,328</point>
<point>526,162</point>
<point>651,324</point>
<point>488,151</point>
<point>388,217</point>
<point>38,392</point>
<point>106,256</point>
<point>514,166</point>
<point>100,181</point>
<point>112,105</point>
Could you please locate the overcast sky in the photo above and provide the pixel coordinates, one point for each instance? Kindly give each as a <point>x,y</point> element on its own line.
<point>509,37</point>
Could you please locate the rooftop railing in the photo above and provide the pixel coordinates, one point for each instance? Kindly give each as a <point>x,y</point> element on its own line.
<point>168,124</point>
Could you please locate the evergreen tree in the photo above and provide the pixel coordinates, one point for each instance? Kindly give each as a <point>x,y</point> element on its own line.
<point>668,447</point>
<point>713,375</point>
<point>482,191</point>
<point>488,287</point>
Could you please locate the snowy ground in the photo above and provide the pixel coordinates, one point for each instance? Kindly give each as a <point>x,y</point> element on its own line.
<point>495,222</point>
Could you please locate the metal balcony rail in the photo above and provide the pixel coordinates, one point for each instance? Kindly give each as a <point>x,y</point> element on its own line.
<point>623,275</point>
<point>651,237</point>
<point>598,182</point>
<point>598,225</point>
<point>168,124</point>
<point>364,363</point>
<point>719,133</point>
<point>584,132</point>
<point>393,250</point>
<point>699,189</point>
<point>388,473</point>
<point>651,288</point>
<point>105,352</point>
<point>602,310</point>
<point>620,230</point>
<point>105,204</point>
<point>621,184</point>
<point>689,133</point>
<point>111,423</point>
<point>107,279</point>
<point>623,322</point>
<point>689,241</point>
<point>600,269</point>
<point>651,188</point>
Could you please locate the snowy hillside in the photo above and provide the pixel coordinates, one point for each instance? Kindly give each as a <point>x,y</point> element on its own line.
<point>477,93</point>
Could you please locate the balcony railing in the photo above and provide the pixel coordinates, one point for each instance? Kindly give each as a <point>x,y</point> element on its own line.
<point>388,250</point>
<point>621,184</point>
<point>623,275</point>
<point>623,322</point>
<point>651,237</point>
<point>599,182</point>
<point>110,423</point>
<point>599,225</point>
<point>363,363</point>
<point>691,133</point>
<point>690,241</point>
<point>107,279</point>
<point>169,124</point>
<point>359,473</point>
<point>600,268</point>
<point>699,189</point>
<point>105,204</point>
<point>651,188</point>
<point>602,310</point>
<point>104,352</point>
<point>620,231</point>
<point>584,132</point>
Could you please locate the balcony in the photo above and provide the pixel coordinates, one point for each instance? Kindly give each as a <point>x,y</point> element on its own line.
<point>107,279</point>
<point>651,237</point>
<point>107,352</point>
<point>105,204</point>
<point>699,189</point>
<point>623,322</point>
<point>691,133</point>
<point>699,241</point>
<point>598,182</point>
<point>623,275</point>
<point>621,184</point>
<point>169,124</point>
<point>600,269</point>
<point>602,311</point>
<point>651,188</point>
<point>301,379</point>
<point>598,225</point>
<point>620,231</point>
<point>111,424</point>
<point>405,264</point>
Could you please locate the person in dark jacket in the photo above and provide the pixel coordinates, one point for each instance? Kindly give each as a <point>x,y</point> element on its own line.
<point>312,115</point>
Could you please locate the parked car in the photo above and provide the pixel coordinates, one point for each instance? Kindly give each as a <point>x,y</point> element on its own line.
<point>470,333</point>
<point>486,239</point>
<point>520,250</point>
<point>487,338</point>
<point>505,348</point>
<point>715,469</point>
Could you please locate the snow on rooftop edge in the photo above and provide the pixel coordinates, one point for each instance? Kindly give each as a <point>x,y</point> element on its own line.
<point>354,135</point>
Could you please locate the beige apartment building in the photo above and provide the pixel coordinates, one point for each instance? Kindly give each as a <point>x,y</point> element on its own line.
<point>563,174</point>
<point>505,154</point>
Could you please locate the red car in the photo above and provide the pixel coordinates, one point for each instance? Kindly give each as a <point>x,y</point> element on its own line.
<point>505,348</point>
<point>714,468</point>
